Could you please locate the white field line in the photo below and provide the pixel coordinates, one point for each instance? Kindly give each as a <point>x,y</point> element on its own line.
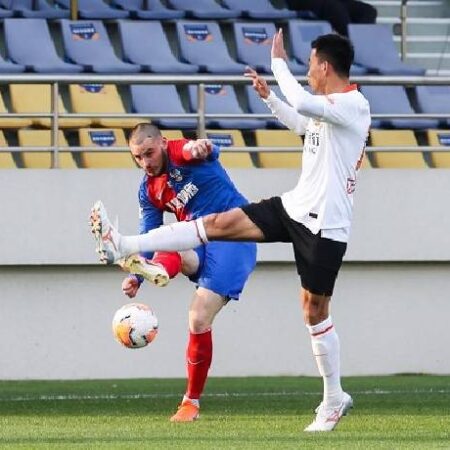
<point>77,397</point>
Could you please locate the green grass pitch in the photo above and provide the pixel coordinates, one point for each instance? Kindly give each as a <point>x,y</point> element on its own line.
<point>237,413</point>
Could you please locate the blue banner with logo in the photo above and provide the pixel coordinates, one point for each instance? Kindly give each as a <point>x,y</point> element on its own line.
<point>256,35</point>
<point>197,33</point>
<point>221,140</point>
<point>102,138</point>
<point>84,31</point>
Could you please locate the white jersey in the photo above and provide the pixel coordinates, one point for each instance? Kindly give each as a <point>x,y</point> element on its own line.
<point>335,128</point>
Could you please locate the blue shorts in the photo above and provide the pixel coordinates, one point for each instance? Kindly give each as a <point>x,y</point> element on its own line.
<point>225,266</point>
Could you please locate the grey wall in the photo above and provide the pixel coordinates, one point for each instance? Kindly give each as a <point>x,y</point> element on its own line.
<point>56,302</point>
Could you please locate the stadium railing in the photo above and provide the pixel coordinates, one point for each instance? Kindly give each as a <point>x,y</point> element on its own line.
<point>200,115</point>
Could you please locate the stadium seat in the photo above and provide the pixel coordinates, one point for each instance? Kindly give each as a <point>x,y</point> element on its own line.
<point>100,98</point>
<point>301,34</point>
<point>230,138</point>
<point>145,43</point>
<point>204,9</point>
<point>104,160</point>
<point>259,9</point>
<point>88,44</point>
<point>36,98</point>
<point>12,122</point>
<point>9,67</point>
<point>148,9</point>
<point>172,134</point>
<point>143,102</point>
<point>37,9</point>
<point>278,138</point>
<point>43,160</point>
<point>382,58</point>
<point>4,13</point>
<point>438,138</point>
<point>221,99</point>
<point>37,52</point>
<point>95,9</point>
<point>393,100</point>
<point>434,100</point>
<point>257,106</point>
<point>253,44</point>
<point>6,158</point>
<point>397,159</point>
<point>201,43</point>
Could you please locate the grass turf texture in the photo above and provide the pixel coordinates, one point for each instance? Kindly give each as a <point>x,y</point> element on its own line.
<point>237,413</point>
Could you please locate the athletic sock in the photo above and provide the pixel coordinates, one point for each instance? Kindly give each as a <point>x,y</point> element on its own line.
<point>198,361</point>
<point>325,346</point>
<point>171,261</point>
<point>171,238</point>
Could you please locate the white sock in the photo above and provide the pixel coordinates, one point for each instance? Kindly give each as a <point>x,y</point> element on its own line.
<point>174,237</point>
<point>325,346</point>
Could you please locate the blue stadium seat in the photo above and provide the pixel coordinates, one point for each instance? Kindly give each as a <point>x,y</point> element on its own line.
<point>37,53</point>
<point>204,9</point>
<point>148,9</point>
<point>257,106</point>
<point>5,12</point>
<point>259,9</point>
<point>382,58</point>
<point>301,34</point>
<point>145,43</point>
<point>221,99</point>
<point>38,9</point>
<point>393,100</point>
<point>253,44</point>
<point>95,9</point>
<point>434,100</point>
<point>144,100</point>
<point>9,67</point>
<point>201,43</point>
<point>88,44</point>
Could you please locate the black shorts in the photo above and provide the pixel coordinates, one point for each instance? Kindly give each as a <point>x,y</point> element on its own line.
<point>318,259</point>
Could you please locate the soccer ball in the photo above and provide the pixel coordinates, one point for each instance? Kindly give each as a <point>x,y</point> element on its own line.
<point>135,325</point>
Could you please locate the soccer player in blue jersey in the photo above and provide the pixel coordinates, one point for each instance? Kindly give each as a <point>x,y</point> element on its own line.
<point>185,178</point>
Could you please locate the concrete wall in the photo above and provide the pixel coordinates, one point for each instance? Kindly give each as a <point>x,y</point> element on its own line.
<point>57,303</point>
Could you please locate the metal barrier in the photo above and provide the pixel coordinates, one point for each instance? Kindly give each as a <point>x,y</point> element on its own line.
<point>201,115</point>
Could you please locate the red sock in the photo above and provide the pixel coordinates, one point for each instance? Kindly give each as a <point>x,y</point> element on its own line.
<point>198,360</point>
<point>171,261</point>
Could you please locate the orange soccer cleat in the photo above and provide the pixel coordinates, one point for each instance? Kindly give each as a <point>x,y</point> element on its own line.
<point>188,411</point>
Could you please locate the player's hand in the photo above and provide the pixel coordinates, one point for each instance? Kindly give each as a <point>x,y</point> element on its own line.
<point>278,50</point>
<point>200,149</point>
<point>259,83</point>
<point>130,286</point>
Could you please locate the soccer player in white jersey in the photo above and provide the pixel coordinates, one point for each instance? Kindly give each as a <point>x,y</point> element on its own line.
<point>315,216</point>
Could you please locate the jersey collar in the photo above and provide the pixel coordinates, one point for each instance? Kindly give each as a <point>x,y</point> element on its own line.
<point>350,87</point>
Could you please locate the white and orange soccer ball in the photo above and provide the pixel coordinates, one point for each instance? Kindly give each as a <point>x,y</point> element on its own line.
<point>135,325</point>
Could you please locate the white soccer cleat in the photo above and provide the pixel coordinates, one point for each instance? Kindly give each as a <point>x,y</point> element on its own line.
<point>327,418</point>
<point>105,234</point>
<point>138,265</point>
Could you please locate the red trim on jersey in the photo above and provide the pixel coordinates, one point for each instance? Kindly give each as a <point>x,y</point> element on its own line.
<point>350,87</point>
<point>322,332</point>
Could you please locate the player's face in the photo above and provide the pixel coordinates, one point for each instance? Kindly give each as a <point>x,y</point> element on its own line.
<point>151,155</point>
<point>317,73</point>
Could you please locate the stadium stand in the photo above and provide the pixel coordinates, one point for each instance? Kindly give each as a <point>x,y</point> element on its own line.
<point>145,44</point>
<point>434,100</point>
<point>302,33</point>
<point>6,158</point>
<point>148,9</point>
<point>88,44</point>
<point>43,160</point>
<point>221,99</point>
<point>393,100</point>
<point>12,122</point>
<point>100,98</point>
<point>36,98</point>
<point>202,43</point>
<point>37,9</point>
<point>256,106</point>
<point>278,138</point>
<point>230,138</point>
<point>253,42</point>
<point>104,138</point>
<point>28,42</point>
<point>204,9</point>
<point>9,67</point>
<point>397,159</point>
<point>143,102</point>
<point>95,9</point>
<point>172,134</point>
<point>5,12</point>
<point>382,58</point>
<point>438,138</point>
<point>259,9</point>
